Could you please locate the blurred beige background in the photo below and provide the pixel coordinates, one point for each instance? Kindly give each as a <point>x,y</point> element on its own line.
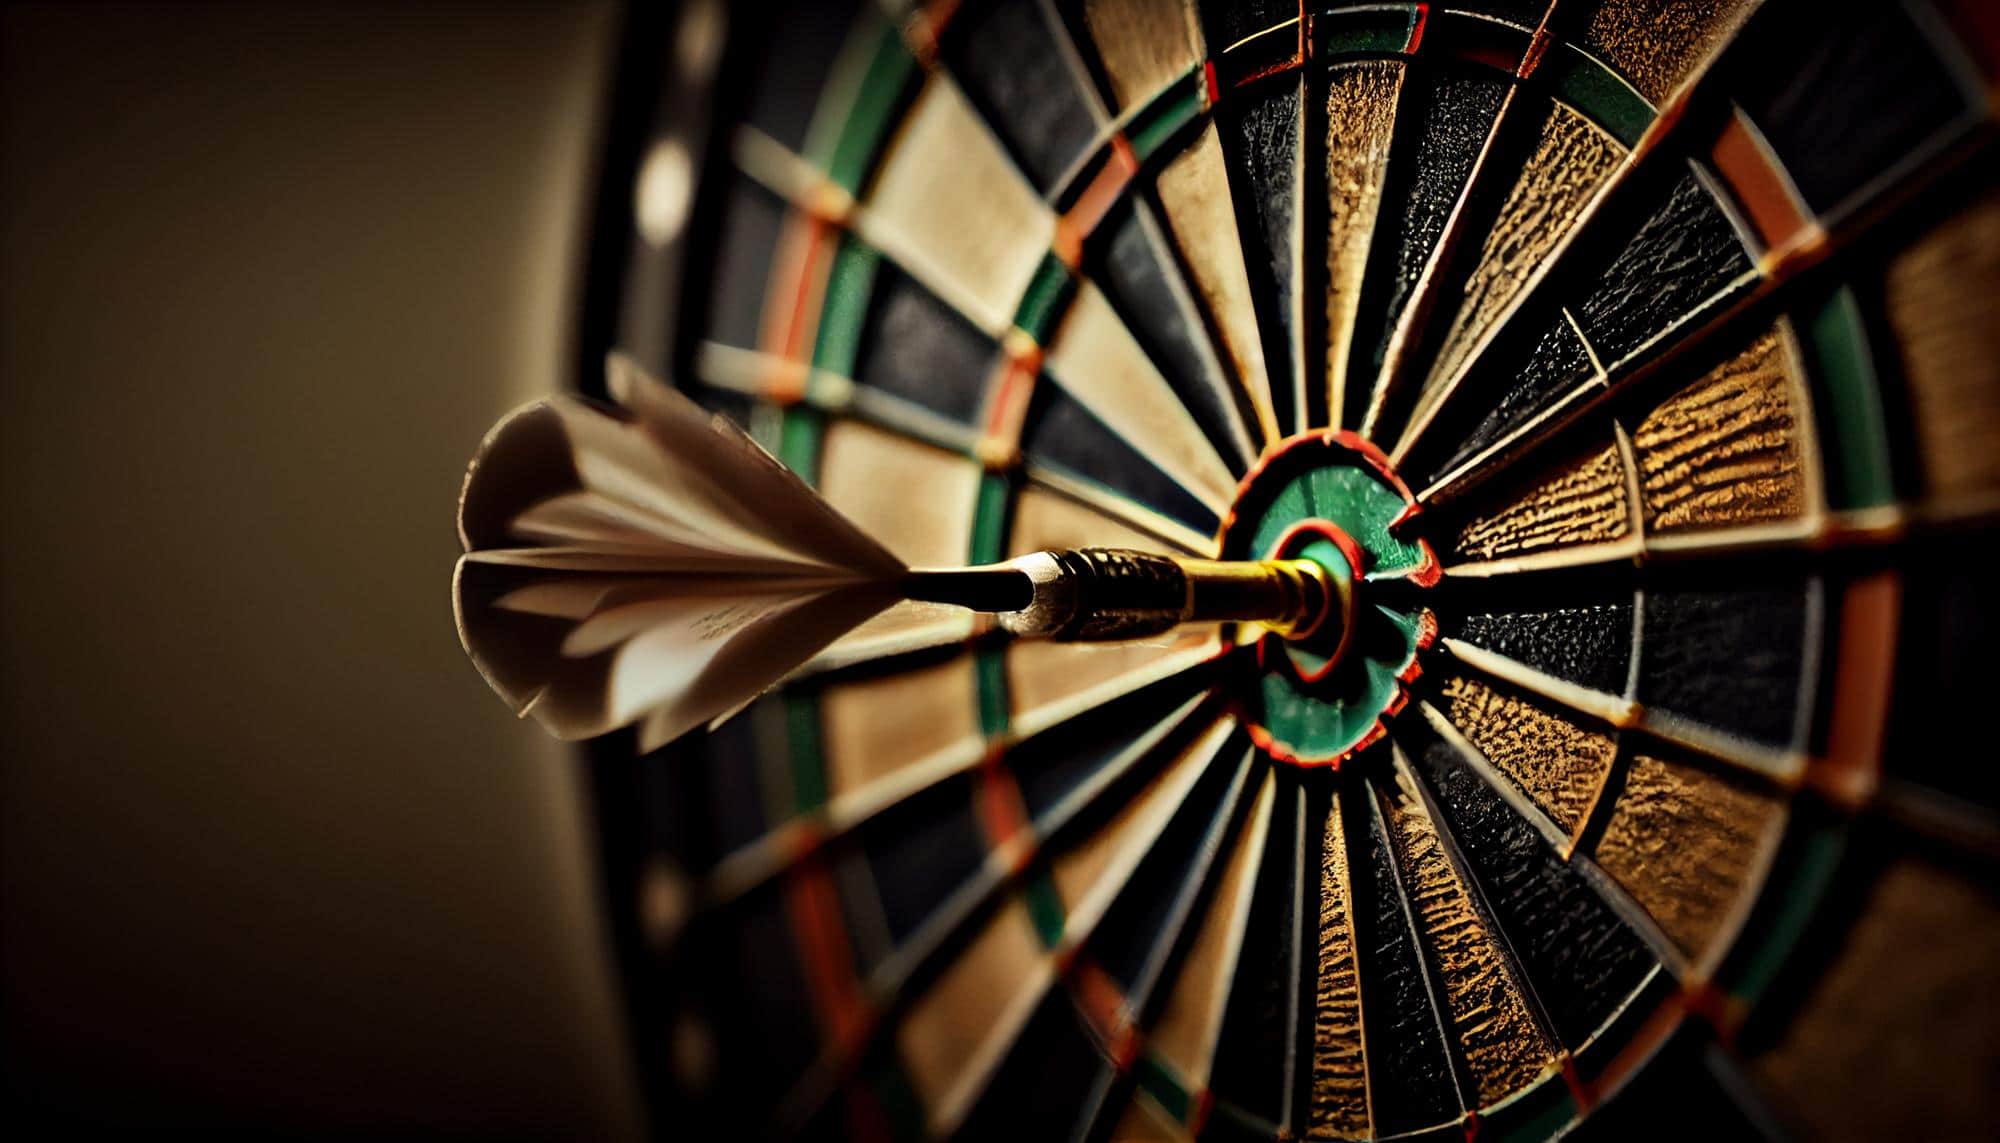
<point>270,854</point>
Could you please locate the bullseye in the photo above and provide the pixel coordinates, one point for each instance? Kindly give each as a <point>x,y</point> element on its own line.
<point>1318,695</point>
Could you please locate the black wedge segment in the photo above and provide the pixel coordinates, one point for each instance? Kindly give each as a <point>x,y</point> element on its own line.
<point>1578,633</point>
<point>1456,106</point>
<point>1063,433</point>
<point>1579,957</point>
<point>1256,1060</point>
<point>1410,1078</point>
<point>921,350</point>
<point>1681,255</point>
<point>1868,90</point>
<point>1730,657</point>
<point>1005,56</point>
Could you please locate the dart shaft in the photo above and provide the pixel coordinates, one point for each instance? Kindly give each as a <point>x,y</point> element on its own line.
<point>1106,594</point>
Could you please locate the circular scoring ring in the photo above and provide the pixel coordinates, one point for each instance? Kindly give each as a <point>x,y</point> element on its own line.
<point>1314,704</point>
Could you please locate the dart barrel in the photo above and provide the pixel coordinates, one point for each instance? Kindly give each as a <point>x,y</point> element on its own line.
<point>1108,594</point>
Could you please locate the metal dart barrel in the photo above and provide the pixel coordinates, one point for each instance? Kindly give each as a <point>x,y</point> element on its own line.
<point>1106,594</point>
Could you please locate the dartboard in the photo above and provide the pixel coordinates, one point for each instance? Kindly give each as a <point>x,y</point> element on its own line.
<point>1638,358</point>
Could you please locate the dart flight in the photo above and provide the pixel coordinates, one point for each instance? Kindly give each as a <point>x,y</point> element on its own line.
<point>648,562</point>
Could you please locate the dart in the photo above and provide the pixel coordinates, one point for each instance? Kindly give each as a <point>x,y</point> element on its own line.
<point>649,562</point>
<point>1349,566</point>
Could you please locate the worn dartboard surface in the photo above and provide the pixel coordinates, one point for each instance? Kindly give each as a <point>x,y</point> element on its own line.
<point>1652,346</point>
